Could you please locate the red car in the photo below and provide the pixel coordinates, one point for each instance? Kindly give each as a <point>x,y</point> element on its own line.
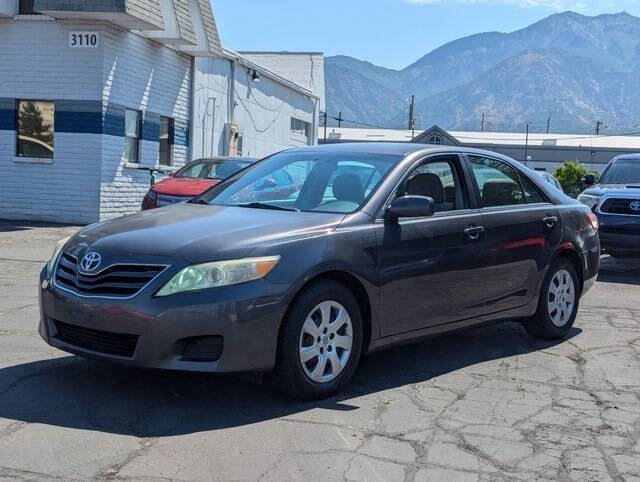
<point>192,180</point>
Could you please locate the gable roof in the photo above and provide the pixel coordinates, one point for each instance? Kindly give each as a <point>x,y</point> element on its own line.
<point>436,130</point>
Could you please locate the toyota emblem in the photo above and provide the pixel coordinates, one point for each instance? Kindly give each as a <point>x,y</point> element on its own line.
<point>635,205</point>
<point>91,261</point>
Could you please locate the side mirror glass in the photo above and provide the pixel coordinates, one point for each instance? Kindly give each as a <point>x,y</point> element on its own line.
<point>589,179</point>
<point>411,207</point>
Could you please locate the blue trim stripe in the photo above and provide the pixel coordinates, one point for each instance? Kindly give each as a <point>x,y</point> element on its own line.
<point>7,114</point>
<point>89,117</point>
<point>78,116</point>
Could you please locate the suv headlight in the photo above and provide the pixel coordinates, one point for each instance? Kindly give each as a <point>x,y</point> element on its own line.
<point>56,253</point>
<point>218,273</point>
<point>589,200</point>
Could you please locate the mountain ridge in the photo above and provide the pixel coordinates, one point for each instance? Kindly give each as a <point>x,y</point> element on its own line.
<point>609,41</point>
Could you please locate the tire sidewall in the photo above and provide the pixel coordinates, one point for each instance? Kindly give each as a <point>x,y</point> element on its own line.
<point>543,311</point>
<point>289,363</point>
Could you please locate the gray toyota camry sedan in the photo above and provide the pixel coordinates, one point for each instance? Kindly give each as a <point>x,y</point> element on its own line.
<point>309,259</point>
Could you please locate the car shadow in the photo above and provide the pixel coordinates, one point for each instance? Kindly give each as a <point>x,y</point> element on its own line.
<point>77,393</point>
<point>8,226</point>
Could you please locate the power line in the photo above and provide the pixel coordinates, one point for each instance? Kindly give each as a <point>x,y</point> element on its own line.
<point>342,119</point>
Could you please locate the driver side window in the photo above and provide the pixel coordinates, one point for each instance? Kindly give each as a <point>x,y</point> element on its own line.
<point>437,179</point>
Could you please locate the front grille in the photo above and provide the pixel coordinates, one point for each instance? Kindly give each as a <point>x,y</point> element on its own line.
<point>634,231</point>
<point>621,206</point>
<point>119,344</point>
<point>118,280</point>
<point>166,200</point>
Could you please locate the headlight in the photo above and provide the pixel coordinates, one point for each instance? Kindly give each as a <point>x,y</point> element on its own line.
<point>589,200</point>
<point>218,273</point>
<point>56,252</point>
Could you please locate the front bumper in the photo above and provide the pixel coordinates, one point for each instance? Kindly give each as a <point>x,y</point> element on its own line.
<point>247,317</point>
<point>619,232</point>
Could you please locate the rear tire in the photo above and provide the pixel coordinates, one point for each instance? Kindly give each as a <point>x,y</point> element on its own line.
<point>558,303</point>
<point>323,327</point>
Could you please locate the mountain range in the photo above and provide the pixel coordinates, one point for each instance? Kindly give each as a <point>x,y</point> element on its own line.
<point>572,68</point>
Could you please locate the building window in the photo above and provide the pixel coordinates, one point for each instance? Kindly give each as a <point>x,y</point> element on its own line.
<point>34,128</point>
<point>25,7</point>
<point>166,140</point>
<point>434,139</point>
<point>131,135</point>
<point>300,127</point>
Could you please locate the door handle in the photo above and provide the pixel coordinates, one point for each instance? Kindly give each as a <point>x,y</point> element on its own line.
<point>550,221</point>
<point>474,231</point>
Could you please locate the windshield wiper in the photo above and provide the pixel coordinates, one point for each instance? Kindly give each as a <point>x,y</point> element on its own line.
<point>198,201</point>
<point>265,206</point>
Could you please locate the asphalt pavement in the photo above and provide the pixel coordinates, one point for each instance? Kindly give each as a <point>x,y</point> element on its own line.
<point>489,403</point>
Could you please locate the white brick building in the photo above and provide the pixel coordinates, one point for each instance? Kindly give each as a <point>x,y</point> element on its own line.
<point>90,91</point>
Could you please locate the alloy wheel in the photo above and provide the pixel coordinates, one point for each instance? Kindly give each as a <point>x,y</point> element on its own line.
<point>561,298</point>
<point>325,341</point>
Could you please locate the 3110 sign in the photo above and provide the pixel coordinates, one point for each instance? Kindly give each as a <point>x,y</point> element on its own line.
<point>84,39</point>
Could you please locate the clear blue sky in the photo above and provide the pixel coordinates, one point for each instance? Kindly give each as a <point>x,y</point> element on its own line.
<point>391,33</point>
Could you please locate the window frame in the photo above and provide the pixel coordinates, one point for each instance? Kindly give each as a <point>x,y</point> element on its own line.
<point>138,136</point>
<point>306,125</point>
<point>519,175</point>
<point>170,140</point>
<point>17,127</point>
<point>463,176</point>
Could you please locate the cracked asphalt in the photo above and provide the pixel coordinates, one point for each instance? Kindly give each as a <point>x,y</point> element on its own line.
<point>485,404</point>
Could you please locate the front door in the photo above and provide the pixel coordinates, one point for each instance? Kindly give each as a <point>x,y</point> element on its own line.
<point>522,231</point>
<point>430,267</point>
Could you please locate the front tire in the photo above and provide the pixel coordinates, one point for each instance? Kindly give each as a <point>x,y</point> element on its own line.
<point>558,303</point>
<point>320,342</point>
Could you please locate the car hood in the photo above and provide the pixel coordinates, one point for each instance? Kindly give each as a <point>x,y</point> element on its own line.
<point>177,186</point>
<point>198,233</point>
<point>612,189</point>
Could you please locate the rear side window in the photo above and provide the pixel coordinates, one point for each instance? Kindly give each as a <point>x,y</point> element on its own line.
<point>498,182</point>
<point>531,192</point>
<point>193,171</point>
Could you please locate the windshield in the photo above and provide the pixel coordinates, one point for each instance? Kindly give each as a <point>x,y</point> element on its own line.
<point>304,181</point>
<point>622,171</point>
<point>211,169</point>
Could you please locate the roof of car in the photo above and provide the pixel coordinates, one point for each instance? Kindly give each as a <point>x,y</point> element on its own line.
<point>226,158</point>
<point>628,157</point>
<point>395,148</point>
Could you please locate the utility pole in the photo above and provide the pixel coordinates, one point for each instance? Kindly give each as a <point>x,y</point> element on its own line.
<point>411,120</point>
<point>548,122</point>
<point>526,143</point>
<point>325,127</point>
<point>482,122</point>
<point>598,124</point>
<point>339,119</point>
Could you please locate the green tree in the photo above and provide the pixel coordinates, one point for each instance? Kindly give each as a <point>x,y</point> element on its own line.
<point>569,174</point>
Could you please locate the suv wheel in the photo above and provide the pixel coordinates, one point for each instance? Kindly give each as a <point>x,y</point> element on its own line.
<point>558,304</point>
<point>320,343</point>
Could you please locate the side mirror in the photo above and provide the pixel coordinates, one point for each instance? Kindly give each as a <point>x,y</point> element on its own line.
<point>589,179</point>
<point>411,207</point>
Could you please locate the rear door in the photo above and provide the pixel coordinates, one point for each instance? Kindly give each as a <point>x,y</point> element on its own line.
<point>522,231</point>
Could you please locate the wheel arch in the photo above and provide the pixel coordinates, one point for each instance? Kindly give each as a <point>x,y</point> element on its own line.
<point>350,282</point>
<point>567,251</point>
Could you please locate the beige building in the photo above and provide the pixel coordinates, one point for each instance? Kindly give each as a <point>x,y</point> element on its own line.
<point>543,151</point>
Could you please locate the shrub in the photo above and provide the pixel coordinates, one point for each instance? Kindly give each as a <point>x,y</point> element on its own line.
<point>569,174</point>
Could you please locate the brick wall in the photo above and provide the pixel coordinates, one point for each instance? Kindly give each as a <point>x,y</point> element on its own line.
<point>87,179</point>
<point>142,75</point>
<point>35,63</point>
